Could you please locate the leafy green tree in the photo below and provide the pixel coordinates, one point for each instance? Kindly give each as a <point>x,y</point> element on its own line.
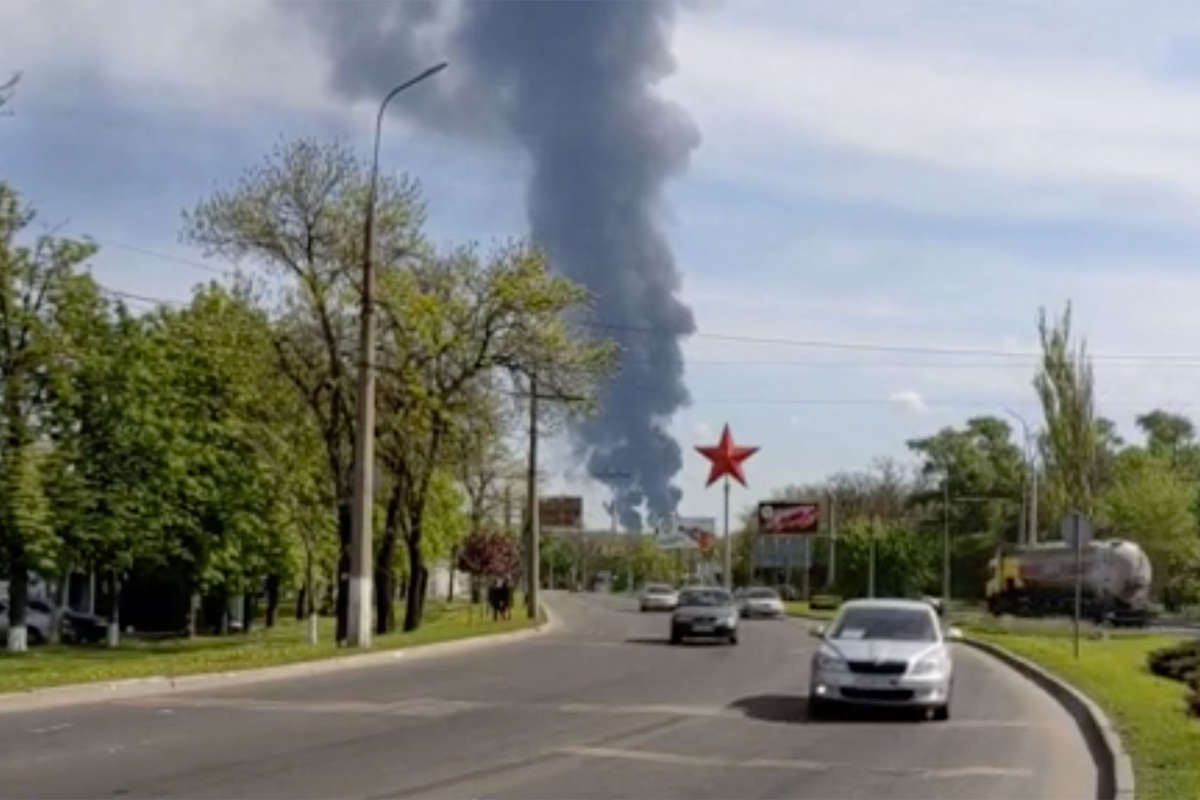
<point>451,328</point>
<point>1069,445</point>
<point>1153,504</point>
<point>300,216</point>
<point>32,280</point>
<point>904,560</point>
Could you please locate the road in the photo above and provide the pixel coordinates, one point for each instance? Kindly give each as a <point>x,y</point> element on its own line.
<point>601,708</point>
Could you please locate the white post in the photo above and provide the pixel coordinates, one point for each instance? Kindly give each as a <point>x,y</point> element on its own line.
<point>728,544</point>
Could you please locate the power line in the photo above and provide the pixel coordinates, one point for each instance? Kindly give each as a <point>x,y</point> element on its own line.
<point>874,347</point>
<point>165,256</point>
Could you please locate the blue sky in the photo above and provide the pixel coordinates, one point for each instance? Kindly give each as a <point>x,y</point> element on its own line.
<point>901,173</point>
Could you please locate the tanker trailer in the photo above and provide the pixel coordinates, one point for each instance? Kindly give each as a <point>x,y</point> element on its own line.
<point>1039,580</point>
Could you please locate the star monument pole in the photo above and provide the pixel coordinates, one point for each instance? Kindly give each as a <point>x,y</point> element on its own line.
<point>725,460</point>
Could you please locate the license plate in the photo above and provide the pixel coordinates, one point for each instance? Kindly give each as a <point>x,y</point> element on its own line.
<point>875,681</point>
<point>702,628</point>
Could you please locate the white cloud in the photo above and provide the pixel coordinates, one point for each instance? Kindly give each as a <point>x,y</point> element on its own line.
<point>909,400</point>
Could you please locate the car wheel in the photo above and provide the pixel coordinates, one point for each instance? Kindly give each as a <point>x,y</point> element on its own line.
<point>817,708</point>
<point>941,713</point>
<point>733,637</point>
<point>676,638</point>
<point>34,635</point>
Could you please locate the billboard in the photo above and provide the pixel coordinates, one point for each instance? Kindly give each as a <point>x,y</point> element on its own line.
<point>686,533</point>
<point>788,517</point>
<point>701,530</point>
<point>560,512</point>
<point>780,552</point>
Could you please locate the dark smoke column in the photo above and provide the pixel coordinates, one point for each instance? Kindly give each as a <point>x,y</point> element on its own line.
<point>573,83</point>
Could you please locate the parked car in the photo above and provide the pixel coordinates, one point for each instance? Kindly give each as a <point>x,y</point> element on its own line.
<point>883,652</point>
<point>761,602</point>
<point>705,611</point>
<point>81,627</point>
<point>658,597</point>
<point>38,618</point>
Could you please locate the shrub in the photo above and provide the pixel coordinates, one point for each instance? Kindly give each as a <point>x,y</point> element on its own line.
<point>1179,663</point>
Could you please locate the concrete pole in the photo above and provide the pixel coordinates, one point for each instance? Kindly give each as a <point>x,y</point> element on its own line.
<point>728,543</point>
<point>1033,502</point>
<point>946,542</point>
<point>831,571</point>
<point>531,596</point>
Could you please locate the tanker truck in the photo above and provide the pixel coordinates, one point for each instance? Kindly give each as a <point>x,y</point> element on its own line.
<point>1039,580</point>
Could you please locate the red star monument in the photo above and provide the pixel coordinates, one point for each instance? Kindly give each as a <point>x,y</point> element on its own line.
<point>726,458</point>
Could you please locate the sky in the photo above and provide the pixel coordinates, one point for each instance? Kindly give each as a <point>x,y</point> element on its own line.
<point>883,197</point>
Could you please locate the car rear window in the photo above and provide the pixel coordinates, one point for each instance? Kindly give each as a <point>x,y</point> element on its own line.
<point>899,624</point>
<point>704,597</point>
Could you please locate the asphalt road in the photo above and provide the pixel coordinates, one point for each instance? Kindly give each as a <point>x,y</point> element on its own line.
<point>601,708</point>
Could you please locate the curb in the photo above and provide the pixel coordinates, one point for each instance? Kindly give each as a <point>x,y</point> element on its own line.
<point>1115,779</point>
<point>104,691</point>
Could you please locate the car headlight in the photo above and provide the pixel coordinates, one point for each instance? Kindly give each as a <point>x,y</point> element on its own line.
<point>732,619</point>
<point>930,665</point>
<point>829,661</point>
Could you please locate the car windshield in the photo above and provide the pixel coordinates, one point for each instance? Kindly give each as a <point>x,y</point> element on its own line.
<point>898,624</point>
<point>704,597</point>
<point>762,594</point>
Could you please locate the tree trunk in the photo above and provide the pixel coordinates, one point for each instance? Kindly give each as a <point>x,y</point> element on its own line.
<point>272,599</point>
<point>300,606</point>
<point>247,610</point>
<point>416,584</point>
<point>193,614</point>
<point>114,618</point>
<point>453,565</point>
<point>343,572</point>
<point>18,596</point>
<point>385,587</point>
<point>60,602</point>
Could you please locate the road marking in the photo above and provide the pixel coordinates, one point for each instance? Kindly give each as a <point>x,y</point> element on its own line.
<point>640,708</point>
<point>799,764</point>
<point>413,706</point>
<point>62,726</point>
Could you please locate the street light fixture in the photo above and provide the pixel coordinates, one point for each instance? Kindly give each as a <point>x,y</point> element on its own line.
<point>358,632</point>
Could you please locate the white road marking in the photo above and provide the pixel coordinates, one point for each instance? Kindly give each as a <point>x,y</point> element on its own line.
<point>682,759</point>
<point>62,726</point>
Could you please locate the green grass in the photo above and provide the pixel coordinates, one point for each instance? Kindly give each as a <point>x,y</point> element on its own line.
<point>1148,711</point>
<point>285,643</point>
<point>799,608</point>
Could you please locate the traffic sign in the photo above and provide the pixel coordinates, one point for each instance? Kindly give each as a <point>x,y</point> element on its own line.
<point>1074,521</point>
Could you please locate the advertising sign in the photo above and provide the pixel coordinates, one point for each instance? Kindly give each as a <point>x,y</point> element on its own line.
<point>701,530</point>
<point>560,512</point>
<point>784,517</point>
<point>779,552</point>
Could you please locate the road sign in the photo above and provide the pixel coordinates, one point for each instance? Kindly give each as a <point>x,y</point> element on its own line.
<point>788,517</point>
<point>1068,527</point>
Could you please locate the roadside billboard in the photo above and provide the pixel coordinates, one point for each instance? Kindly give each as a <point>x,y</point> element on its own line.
<point>701,530</point>
<point>564,511</point>
<point>788,517</point>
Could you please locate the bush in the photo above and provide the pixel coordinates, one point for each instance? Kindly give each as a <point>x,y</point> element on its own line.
<point>1180,663</point>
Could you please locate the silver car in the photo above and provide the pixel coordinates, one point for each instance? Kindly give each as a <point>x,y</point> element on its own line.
<point>705,611</point>
<point>883,652</point>
<point>658,597</point>
<point>761,602</point>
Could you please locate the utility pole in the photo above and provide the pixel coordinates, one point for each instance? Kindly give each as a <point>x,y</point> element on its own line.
<point>728,569</point>
<point>531,594</point>
<point>871,563</point>
<point>945,541</point>
<point>358,629</point>
<point>1031,467</point>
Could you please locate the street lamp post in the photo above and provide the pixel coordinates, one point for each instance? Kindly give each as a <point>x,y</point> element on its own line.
<point>358,630</point>
<point>1031,466</point>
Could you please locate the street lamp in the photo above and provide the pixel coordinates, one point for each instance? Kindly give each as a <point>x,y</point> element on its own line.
<point>358,631</point>
<point>1031,468</point>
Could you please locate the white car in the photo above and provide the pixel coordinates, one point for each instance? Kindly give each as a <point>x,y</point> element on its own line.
<point>884,653</point>
<point>38,618</point>
<point>761,602</point>
<point>658,597</point>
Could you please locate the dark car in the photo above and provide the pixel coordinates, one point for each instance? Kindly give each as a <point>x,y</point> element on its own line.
<point>705,611</point>
<point>83,628</point>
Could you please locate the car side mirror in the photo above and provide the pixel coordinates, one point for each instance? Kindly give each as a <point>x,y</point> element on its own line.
<point>954,633</point>
<point>817,631</point>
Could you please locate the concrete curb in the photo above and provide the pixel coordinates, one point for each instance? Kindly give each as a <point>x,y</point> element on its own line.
<point>1115,779</point>
<point>103,691</point>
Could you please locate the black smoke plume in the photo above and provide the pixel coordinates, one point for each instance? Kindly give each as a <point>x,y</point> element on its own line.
<point>572,83</point>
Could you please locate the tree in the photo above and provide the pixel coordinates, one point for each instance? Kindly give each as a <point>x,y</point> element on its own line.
<point>904,560</point>
<point>1153,504</point>
<point>300,214</point>
<point>451,328</point>
<point>1069,444</point>
<point>8,87</point>
<point>32,281</point>
<point>489,555</point>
